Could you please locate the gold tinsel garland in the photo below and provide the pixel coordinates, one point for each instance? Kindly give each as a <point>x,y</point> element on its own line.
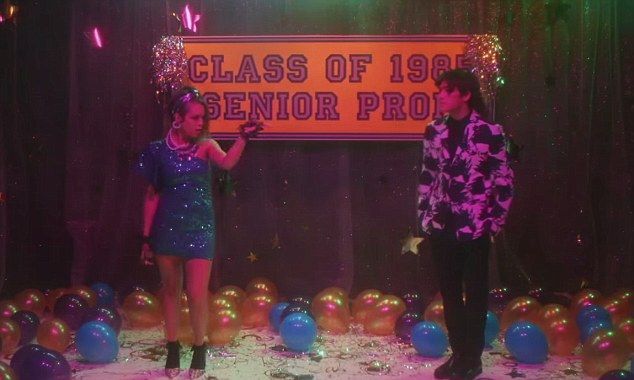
<point>484,52</point>
<point>169,65</point>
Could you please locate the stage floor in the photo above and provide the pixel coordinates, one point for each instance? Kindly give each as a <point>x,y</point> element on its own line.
<point>258,354</point>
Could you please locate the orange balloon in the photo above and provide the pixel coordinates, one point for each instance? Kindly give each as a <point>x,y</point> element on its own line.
<point>141,309</point>
<point>435,312</point>
<point>521,308</point>
<point>604,351</point>
<point>8,308</point>
<point>382,317</point>
<point>626,327</point>
<point>331,310</point>
<point>584,298</point>
<point>54,334</point>
<point>219,301</point>
<point>234,292</point>
<point>224,326</point>
<point>53,296</point>
<point>562,334</point>
<point>6,372</point>
<point>9,335</point>
<point>551,312</point>
<point>624,294</point>
<point>261,284</point>
<point>31,300</point>
<point>363,303</point>
<point>618,308</point>
<point>85,293</point>
<point>255,309</point>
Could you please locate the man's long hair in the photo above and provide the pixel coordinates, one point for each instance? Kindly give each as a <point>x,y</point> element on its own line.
<point>465,82</point>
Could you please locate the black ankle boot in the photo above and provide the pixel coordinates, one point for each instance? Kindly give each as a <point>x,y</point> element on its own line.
<point>199,358</point>
<point>445,370</point>
<point>173,361</point>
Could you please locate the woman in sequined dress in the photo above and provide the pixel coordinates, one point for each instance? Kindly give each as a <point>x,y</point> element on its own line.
<point>178,216</point>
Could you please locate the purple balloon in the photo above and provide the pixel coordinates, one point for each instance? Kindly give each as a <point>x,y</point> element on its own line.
<point>498,298</point>
<point>413,301</point>
<point>107,315</point>
<point>28,322</point>
<point>71,309</point>
<point>300,300</point>
<point>295,308</point>
<point>36,362</point>
<point>405,323</point>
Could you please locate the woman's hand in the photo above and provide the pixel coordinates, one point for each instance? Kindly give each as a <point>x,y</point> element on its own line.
<point>147,256</point>
<point>251,128</point>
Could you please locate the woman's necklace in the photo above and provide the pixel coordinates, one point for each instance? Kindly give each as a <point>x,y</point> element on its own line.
<point>183,150</point>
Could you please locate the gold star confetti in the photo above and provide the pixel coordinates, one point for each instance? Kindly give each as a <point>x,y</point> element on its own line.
<point>410,244</point>
<point>252,257</point>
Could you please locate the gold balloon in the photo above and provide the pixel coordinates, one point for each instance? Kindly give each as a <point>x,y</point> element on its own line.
<point>604,351</point>
<point>255,309</point>
<point>562,334</point>
<point>6,372</point>
<point>53,296</point>
<point>185,332</point>
<point>550,313</point>
<point>218,301</point>
<point>8,308</point>
<point>584,298</point>
<point>31,300</point>
<point>363,303</point>
<point>141,309</point>
<point>85,293</point>
<point>520,309</point>
<point>54,334</point>
<point>624,294</point>
<point>618,308</point>
<point>261,284</point>
<point>435,312</point>
<point>234,292</point>
<point>331,310</point>
<point>382,317</point>
<point>224,326</point>
<point>626,327</point>
<point>9,335</point>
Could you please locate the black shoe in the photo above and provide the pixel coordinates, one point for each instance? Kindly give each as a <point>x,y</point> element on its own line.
<point>446,369</point>
<point>466,370</point>
<point>173,362</point>
<point>199,358</point>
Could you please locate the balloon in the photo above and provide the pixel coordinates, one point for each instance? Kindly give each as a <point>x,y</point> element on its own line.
<point>104,293</point>
<point>429,339</point>
<point>491,329</point>
<point>28,322</point>
<point>54,334</point>
<point>562,334</point>
<point>86,293</point>
<point>105,314</point>
<point>435,312</point>
<point>593,327</point>
<point>142,309</point>
<point>590,314</point>
<point>551,312</point>
<point>275,315</point>
<point>6,372</point>
<point>9,335</point>
<point>220,301</point>
<point>331,310</point>
<point>97,342</point>
<point>256,308</point>
<point>261,284</point>
<point>538,293</point>
<point>526,342</point>
<point>224,326</point>
<point>36,362</point>
<point>363,303</point>
<point>520,308</point>
<point>8,308</point>
<point>584,298</point>
<point>405,323</point>
<point>32,300</point>
<point>295,308</point>
<point>618,308</point>
<point>381,319</point>
<point>498,298</point>
<point>298,332</point>
<point>71,309</point>
<point>413,301</point>
<point>300,300</point>
<point>626,327</point>
<point>235,293</point>
<point>52,297</point>
<point>185,331</point>
<point>624,294</point>
<point>123,294</point>
<point>604,351</point>
<point>617,374</point>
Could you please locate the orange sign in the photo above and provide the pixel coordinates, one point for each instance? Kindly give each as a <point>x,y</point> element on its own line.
<point>323,87</point>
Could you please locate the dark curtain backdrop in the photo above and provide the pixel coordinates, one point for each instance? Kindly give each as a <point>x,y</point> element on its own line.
<point>314,214</point>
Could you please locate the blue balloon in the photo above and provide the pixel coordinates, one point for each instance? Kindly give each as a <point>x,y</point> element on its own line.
<point>591,314</point>
<point>275,315</point>
<point>28,322</point>
<point>589,329</point>
<point>36,362</point>
<point>429,339</point>
<point>108,315</point>
<point>491,329</point>
<point>104,292</point>
<point>526,342</point>
<point>298,332</point>
<point>97,342</point>
<point>617,374</point>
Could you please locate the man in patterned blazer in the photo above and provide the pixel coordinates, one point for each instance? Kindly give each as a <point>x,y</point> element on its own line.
<point>464,193</point>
